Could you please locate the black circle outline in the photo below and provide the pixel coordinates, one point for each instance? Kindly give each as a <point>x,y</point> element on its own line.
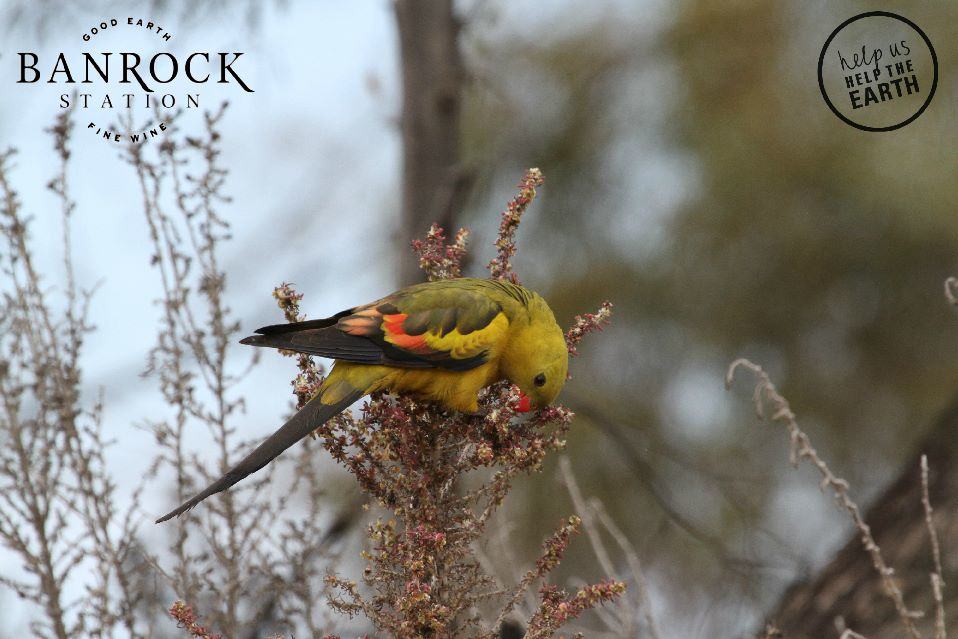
<point>821,62</point>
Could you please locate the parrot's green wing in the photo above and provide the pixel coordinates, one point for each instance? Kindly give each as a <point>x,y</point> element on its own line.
<point>452,324</point>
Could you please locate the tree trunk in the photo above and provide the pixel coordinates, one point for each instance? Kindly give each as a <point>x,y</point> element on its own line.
<point>433,182</point>
<point>848,590</point>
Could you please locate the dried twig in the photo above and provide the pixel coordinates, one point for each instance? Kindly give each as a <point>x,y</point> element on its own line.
<point>800,448</point>
<point>591,511</point>
<point>244,558</point>
<point>58,509</point>
<point>951,285</point>
<point>936,580</point>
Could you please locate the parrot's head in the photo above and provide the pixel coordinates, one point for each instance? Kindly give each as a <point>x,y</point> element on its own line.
<point>537,359</point>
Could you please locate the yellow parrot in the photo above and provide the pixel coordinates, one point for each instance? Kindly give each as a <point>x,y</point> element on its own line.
<point>441,341</point>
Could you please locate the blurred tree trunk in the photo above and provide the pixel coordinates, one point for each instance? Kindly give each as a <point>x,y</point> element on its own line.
<point>848,589</point>
<point>433,183</point>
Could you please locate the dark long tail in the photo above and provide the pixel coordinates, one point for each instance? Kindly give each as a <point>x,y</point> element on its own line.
<point>309,417</point>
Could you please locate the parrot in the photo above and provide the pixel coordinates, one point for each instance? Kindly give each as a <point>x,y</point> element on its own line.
<point>440,341</point>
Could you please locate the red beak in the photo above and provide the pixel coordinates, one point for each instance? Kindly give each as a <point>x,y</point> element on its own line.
<point>525,404</point>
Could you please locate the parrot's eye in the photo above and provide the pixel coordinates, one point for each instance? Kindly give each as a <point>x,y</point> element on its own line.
<point>540,380</point>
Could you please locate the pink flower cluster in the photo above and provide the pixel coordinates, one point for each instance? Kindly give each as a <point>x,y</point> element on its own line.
<point>188,621</point>
<point>310,375</point>
<point>437,259</point>
<point>558,607</point>
<point>500,267</point>
<point>582,325</point>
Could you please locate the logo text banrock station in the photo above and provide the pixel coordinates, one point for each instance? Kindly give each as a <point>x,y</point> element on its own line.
<point>105,82</point>
<point>878,71</point>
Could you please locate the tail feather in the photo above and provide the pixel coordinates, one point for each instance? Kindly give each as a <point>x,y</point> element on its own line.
<point>329,343</point>
<point>309,417</point>
<point>292,327</point>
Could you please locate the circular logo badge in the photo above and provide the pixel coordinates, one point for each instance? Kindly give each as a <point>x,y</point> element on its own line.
<point>878,71</point>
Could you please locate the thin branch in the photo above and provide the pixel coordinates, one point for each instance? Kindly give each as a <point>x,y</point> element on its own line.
<point>936,580</point>
<point>800,448</point>
<point>590,510</point>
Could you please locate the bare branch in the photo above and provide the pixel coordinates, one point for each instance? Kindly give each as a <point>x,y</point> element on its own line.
<point>800,448</point>
<point>594,509</point>
<point>936,580</point>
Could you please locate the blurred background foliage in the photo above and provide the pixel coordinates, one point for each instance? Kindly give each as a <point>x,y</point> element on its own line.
<point>695,177</point>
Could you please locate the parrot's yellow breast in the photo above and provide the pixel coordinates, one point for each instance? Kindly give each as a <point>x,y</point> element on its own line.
<point>456,390</point>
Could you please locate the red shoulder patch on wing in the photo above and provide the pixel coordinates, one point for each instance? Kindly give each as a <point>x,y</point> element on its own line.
<point>396,334</point>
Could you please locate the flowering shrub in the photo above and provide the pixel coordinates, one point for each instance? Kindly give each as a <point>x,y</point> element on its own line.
<point>422,576</point>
